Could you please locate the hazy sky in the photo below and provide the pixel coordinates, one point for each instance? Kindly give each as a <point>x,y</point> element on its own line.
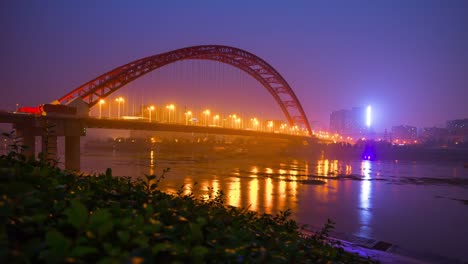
<point>409,59</point>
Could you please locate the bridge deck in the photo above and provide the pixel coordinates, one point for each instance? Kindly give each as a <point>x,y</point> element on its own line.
<point>88,122</point>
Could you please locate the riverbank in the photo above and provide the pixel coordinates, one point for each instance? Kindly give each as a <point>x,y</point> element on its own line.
<point>373,150</point>
<point>50,215</point>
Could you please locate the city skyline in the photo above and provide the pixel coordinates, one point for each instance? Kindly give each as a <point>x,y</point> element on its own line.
<point>407,60</point>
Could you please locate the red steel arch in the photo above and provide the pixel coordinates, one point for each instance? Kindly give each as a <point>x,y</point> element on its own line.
<point>104,85</point>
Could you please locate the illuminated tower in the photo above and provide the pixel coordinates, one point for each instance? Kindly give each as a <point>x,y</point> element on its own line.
<point>368,117</point>
<point>355,122</point>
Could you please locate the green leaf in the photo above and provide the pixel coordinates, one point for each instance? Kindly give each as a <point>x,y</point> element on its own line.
<point>201,221</point>
<point>39,218</point>
<point>80,251</point>
<point>196,231</point>
<point>112,250</point>
<point>141,240</point>
<point>124,236</point>
<point>100,217</point>
<point>57,242</point>
<point>150,177</point>
<point>107,260</point>
<point>19,187</point>
<point>31,247</point>
<point>77,214</point>
<point>199,251</point>
<point>160,247</point>
<point>108,172</point>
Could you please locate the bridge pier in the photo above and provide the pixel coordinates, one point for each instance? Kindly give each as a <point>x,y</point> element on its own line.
<point>71,129</point>
<point>49,127</point>
<point>27,139</point>
<point>72,153</point>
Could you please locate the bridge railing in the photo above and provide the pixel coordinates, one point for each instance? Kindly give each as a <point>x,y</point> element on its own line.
<point>253,124</point>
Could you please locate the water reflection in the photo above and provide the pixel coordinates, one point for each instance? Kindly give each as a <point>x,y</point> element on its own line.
<point>234,192</point>
<point>328,168</point>
<point>267,186</point>
<point>268,189</point>
<point>254,170</point>
<point>253,193</point>
<point>268,195</point>
<point>215,186</point>
<point>151,162</point>
<point>322,167</point>
<point>365,204</point>
<point>348,201</point>
<point>281,193</point>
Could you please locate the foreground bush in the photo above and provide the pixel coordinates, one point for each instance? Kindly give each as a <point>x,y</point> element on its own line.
<point>49,215</point>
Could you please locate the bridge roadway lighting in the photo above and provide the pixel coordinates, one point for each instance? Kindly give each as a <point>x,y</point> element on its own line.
<point>101,102</point>
<point>270,126</point>
<point>216,120</point>
<point>254,123</point>
<point>238,122</point>
<point>233,120</point>
<point>170,107</point>
<point>187,115</point>
<point>295,129</point>
<point>283,127</point>
<point>207,113</point>
<point>150,109</point>
<point>119,100</point>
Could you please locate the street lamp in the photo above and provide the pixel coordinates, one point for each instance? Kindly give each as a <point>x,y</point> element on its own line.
<point>187,115</point>
<point>254,123</point>
<point>270,126</point>
<point>119,100</point>
<point>296,128</point>
<point>283,127</point>
<point>238,122</point>
<point>233,120</point>
<point>207,114</point>
<point>101,102</point>
<point>150,109</point>
<point>170,107</point>
<point>216,120</point>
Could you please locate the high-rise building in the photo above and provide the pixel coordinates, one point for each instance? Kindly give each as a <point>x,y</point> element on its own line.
<point>458,130</point>
<point>404,133</point>
<point>350,122</point>
<point>457,124</point>
<point>434,134</point>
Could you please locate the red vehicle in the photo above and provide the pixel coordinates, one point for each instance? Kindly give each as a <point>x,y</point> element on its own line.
<point>49,109</point>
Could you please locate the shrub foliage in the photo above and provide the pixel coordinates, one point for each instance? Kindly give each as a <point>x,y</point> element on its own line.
<point>50,215</point>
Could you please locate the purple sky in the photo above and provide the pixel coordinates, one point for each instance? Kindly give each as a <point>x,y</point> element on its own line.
<point>409,59</point>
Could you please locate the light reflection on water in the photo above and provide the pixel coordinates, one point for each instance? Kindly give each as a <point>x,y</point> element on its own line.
<point>378,205</point>
<point>253,193</point>
<point>235,192</point>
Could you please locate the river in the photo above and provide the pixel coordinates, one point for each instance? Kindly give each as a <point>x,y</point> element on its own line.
<point>421,206</point>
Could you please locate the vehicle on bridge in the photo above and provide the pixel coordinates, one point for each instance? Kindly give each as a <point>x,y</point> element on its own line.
<point>49,109</point>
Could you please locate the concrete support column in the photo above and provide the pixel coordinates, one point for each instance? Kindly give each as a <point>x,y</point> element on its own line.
<point>27,140</point>
<point>49,148</point>
<point>72,153</point>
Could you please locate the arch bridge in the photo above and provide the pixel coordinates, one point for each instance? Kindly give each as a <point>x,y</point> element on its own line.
<point>106,84</point>
<point>90,93</point>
